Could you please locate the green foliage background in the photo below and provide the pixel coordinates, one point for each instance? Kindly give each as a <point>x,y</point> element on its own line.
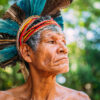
<point>82,18</point>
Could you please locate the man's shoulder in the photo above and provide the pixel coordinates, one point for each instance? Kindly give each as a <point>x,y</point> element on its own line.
<point>4,95</point>
<point>71,94</point>
<point>79,95</point>
<point>76,95</point>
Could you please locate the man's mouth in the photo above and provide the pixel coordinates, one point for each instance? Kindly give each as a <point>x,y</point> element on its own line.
<point>62,60</point>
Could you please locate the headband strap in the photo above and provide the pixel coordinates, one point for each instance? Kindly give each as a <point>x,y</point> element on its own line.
<point>26,34</point>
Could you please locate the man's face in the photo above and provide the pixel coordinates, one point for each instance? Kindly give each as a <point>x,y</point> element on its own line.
<point>51,54</point>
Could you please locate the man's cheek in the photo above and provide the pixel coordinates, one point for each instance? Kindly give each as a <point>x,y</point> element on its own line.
<point>48,59</point>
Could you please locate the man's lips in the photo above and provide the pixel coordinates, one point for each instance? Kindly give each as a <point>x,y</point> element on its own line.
<point>61,59</point>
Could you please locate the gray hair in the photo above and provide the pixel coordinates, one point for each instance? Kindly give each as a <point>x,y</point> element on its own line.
<point>34,39</point>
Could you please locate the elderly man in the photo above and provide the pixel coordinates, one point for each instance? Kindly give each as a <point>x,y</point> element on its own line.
<point>44,50</point>
<point>41,45</point>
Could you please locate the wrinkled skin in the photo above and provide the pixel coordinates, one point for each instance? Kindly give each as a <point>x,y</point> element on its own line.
<point>49,60</point>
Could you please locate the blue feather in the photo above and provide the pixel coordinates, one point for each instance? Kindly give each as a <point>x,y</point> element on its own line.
<point>31,7</point>
<point>60,21</point>
<point>8,53</point>
<point>25,6</point>
<point>8,26</point>
<point>40,6</point>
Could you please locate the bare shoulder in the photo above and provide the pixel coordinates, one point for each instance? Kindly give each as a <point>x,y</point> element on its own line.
<point>71,94</point>
<point>18,93</point>
<point>11,94</point>
<point>7,96</point>
<point>80,95</point>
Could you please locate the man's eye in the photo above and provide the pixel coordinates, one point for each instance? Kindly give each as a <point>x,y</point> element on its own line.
<point>52,42</point>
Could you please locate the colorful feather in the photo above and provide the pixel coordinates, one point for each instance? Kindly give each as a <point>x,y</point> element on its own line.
<point>7,53</point>
<point>59,20</point>
<point>9,26</point>
<point>31,7</point>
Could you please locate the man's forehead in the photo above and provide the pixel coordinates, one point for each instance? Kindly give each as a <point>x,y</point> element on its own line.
<point>49,33</point>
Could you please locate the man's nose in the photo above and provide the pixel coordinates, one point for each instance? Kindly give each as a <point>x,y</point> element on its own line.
<point>62,48</point>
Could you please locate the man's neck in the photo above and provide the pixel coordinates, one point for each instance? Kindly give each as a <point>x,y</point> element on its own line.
<point>43,85</point>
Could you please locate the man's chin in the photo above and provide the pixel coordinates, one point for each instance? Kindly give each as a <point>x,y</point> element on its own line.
<point>61,69</point>
<point>64,70</point>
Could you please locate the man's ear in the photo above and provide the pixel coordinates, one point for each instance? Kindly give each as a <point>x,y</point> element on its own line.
<point>26,52</point>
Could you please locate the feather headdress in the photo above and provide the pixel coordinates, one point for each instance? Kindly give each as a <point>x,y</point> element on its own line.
<point>14,17</point>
